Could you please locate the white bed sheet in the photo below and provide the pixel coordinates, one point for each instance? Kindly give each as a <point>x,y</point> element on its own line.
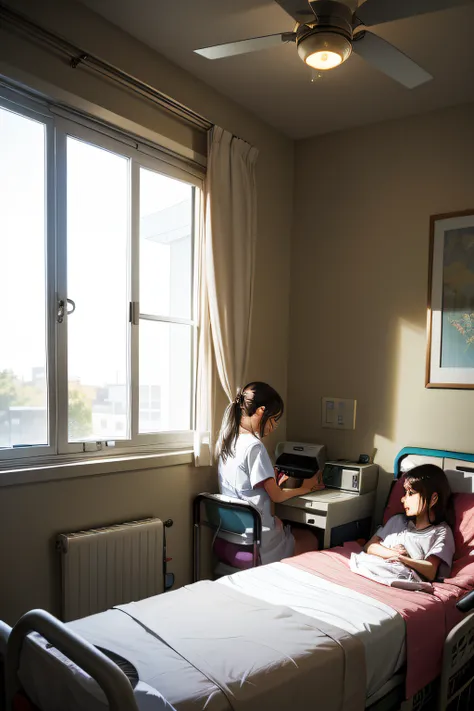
<point>380,629</point>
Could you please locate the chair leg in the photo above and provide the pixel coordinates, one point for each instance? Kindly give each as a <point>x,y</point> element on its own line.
<point>197,559</point>
<point>255,555</point>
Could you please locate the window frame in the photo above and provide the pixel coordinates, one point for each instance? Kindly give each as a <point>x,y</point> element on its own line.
<point>29,110</point>
<point>186,436</point>
<point>60,124</point>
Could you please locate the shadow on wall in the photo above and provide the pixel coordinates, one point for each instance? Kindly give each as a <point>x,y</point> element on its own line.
<point>360,260</point>
<point>344,327</point>
<point>378,358</point>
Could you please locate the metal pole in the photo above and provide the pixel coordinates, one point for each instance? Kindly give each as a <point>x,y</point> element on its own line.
<point>78,56</point>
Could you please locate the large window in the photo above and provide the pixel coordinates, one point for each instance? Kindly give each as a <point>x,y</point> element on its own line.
<point>97,330</point>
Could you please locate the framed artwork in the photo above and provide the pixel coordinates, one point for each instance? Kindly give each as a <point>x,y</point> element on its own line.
<point>450,348</point>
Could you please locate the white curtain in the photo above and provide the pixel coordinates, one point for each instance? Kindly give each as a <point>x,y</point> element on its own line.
<point>226,274</point>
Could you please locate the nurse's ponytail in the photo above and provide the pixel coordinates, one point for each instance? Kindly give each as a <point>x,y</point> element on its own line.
<point>246,402</point>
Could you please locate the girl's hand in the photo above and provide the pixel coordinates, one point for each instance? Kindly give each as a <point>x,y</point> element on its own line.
<point>280,478</point>
<point>396,557</point>
<point>401,550</point>
<point>315,483</point>
<point>400,554</point>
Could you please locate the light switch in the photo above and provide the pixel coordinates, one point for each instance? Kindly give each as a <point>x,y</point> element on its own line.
<point>329,414</point>
<point>338,413</point>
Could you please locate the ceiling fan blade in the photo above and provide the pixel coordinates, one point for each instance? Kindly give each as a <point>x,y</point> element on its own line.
<point>375,12</point>
<point>299,10</point>
<point>389,60</point>
<point>255,44</point>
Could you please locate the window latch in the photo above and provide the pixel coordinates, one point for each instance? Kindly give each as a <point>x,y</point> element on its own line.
<point>62,310</point>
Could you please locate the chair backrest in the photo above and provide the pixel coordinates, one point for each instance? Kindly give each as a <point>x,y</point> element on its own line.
<point>233,520</point>
<point>230,518</point>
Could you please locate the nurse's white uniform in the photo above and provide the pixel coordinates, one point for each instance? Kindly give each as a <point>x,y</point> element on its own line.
<point>238,477</point>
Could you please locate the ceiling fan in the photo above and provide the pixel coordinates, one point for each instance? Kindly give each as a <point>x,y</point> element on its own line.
<point>328,31</point>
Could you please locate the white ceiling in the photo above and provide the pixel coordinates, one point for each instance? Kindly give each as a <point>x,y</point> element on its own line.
<point>275,84</point>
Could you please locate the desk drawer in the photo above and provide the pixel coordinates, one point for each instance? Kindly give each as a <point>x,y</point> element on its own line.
<point>289,513</point>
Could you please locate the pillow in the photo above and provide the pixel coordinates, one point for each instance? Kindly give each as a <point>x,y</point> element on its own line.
<point>394,505</point>
<point>462,573</point>
<point>463,530</point>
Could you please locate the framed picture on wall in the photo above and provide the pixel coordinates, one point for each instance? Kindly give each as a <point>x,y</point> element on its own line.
<point>450,348</point>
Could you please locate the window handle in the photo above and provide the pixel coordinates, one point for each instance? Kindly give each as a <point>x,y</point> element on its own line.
<point>134,313</point>
<point>62,310</point>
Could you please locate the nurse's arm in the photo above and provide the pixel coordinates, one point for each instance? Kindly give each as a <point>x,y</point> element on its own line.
<point>278,495</point>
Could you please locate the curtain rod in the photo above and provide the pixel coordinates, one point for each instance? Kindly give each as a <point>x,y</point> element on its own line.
<point>78,56</point>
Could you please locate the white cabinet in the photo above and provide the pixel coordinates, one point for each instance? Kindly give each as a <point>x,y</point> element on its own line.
<point>341,516</point>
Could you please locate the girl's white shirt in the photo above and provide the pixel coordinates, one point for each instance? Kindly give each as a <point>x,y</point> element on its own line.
<point>435,540</point>
<point>239,477</point>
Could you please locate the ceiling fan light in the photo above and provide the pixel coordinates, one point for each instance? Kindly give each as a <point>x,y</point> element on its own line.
<point>324,59</point>
<point>324,50</point>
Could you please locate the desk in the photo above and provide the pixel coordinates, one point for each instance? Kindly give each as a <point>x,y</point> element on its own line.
<point>342,516</point>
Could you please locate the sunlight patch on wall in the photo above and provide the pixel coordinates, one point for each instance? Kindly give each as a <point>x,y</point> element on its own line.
<point>407,392</point>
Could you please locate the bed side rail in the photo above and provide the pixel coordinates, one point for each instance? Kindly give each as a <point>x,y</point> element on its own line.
<point>4,635</point>
<point>110,678</point>
<point>458,664</point>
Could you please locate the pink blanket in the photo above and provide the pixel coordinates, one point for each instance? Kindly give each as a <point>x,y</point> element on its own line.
<point>428,617</point>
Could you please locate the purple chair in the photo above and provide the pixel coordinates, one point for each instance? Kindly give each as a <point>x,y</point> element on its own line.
<point>238,532</point>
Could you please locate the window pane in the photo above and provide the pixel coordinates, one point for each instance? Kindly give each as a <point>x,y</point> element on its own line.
<point>97,243</point>
<point>23,381</point>
<point>166,212</point>
<point>165,377</point>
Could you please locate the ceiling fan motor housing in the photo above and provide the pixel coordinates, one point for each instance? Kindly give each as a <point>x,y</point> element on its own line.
<point>331,30</point>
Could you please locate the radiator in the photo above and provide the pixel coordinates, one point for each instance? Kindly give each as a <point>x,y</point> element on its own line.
<point>110,566</point>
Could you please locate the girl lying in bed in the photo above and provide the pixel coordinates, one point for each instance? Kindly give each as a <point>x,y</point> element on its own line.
<point>413,548</point>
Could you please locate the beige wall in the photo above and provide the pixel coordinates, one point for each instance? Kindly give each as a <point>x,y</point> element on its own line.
<point>360,243</point>
<point>31,515</point>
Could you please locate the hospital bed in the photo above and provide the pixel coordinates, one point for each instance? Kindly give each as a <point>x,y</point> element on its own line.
<point>272,636</point>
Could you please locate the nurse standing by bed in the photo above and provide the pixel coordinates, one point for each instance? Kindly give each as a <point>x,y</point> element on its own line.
<point>246,471</point>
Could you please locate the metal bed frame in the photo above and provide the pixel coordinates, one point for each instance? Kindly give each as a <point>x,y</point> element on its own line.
<point>110,678</point>
<point>452,691</point>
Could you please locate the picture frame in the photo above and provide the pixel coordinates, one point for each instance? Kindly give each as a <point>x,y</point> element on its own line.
<point>450,315</point>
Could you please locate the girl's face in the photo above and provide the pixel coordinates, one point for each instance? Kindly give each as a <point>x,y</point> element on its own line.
<point>270,425</point>
<point>412,501</point>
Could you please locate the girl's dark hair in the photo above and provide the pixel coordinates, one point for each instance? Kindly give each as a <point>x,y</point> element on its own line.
<point>247,402</point>
<point>426,480</point>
